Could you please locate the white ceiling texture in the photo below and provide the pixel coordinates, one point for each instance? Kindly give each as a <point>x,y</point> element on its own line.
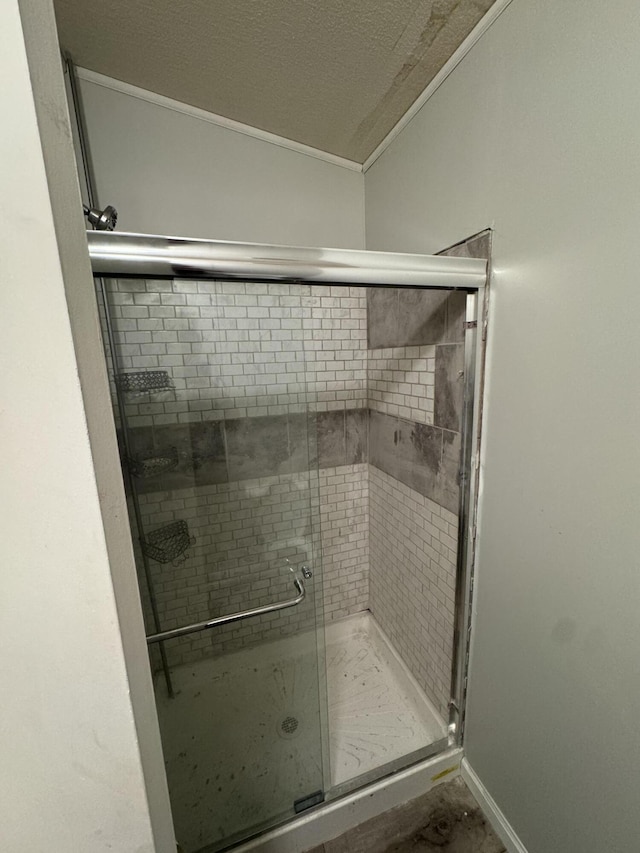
<point>333,74</point>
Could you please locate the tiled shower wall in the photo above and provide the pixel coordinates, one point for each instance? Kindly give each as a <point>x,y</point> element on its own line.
<point>413,544</point>
<point>269,385</point>
<point>249,536</point>
<point>415,344</point>
<point>241,351</point>
<point>415,339</point>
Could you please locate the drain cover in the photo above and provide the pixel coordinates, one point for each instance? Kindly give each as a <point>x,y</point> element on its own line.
<point>289,725</point>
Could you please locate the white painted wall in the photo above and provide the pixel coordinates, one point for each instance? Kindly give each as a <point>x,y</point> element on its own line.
<point>81,766</point>
<point>536,133</point>
<point>172,173</point>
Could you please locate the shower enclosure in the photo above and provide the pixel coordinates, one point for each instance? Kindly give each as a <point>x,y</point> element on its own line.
<point>294,427</point>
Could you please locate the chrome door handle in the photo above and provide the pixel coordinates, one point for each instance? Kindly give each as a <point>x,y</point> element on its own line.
<point>232,617</point>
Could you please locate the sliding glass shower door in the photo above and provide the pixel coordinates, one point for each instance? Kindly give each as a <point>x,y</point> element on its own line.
<point>216,420</point>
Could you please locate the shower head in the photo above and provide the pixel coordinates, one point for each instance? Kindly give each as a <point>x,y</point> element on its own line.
<point>102,220</point>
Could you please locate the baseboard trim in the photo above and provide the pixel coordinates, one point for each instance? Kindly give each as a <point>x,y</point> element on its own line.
<point>492,812</point>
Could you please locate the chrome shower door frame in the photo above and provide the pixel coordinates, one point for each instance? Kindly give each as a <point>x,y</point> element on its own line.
<point>474,338</point>
<point>125,255</point>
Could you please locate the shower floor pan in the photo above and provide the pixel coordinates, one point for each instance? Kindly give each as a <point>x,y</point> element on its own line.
<point>240,737</point>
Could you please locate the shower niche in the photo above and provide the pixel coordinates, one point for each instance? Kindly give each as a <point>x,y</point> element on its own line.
<point>292,455</point>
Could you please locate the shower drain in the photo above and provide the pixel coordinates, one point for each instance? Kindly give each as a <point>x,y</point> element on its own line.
<point>289,725</point>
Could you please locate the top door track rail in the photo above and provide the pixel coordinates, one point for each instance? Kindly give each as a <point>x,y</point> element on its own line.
<point>125,255</point>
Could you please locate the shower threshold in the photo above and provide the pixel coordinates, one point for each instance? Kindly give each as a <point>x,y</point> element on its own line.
<point>377,715</point>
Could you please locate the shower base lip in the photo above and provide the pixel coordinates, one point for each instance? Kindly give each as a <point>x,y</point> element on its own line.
<point>336,817</point>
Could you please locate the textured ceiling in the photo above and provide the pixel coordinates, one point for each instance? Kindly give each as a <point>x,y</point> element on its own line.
<point>334,74</point>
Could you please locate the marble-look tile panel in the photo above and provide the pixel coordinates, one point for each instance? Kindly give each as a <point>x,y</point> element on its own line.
<point>400,317</point>
<point>208,453</point>
<point>331,439</point>
<point>477,246</point>
<point>257,447</point>
<point>447,489</point>
<point>456,311</point>
<point>449,386</point>
<point>409,452</point>
<point>303,445</point>
<point>382,317</point>
<point>415,454</point>
<point>420,454</point>
<point>405,451</point>
<point>422,317</point>
<point>356,436</point>
<point>211,452</point>
<point>384,435</point>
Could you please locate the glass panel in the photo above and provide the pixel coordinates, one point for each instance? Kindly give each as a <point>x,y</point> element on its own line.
<point>257,422</point>
<point>218,445</point>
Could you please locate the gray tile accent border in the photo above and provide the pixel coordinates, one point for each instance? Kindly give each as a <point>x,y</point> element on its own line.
<point>384,436</point>
<point>212,452</point>
<point>449,386</point>
<point>425,458</point>
<point>343,437</point>
<point>448,489</point>
<point>476,246</point>
<point>356,424</point>
<point>209,453</point>
<point>331,439</point>
<point>404,316</point>
<point>257,447</point>
<point>303,445</point>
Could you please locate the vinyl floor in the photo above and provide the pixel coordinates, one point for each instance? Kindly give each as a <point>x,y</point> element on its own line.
<point>447,818</point>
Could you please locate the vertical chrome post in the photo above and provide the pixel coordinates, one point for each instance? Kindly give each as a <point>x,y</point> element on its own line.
<point>88,175</point>
<point>135,503</point>
<point>466,523</point>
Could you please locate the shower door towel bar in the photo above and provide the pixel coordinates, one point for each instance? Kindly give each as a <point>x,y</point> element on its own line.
<point>232,617</point>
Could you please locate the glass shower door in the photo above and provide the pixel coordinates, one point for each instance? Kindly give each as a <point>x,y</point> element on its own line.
<point>217,432</point>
